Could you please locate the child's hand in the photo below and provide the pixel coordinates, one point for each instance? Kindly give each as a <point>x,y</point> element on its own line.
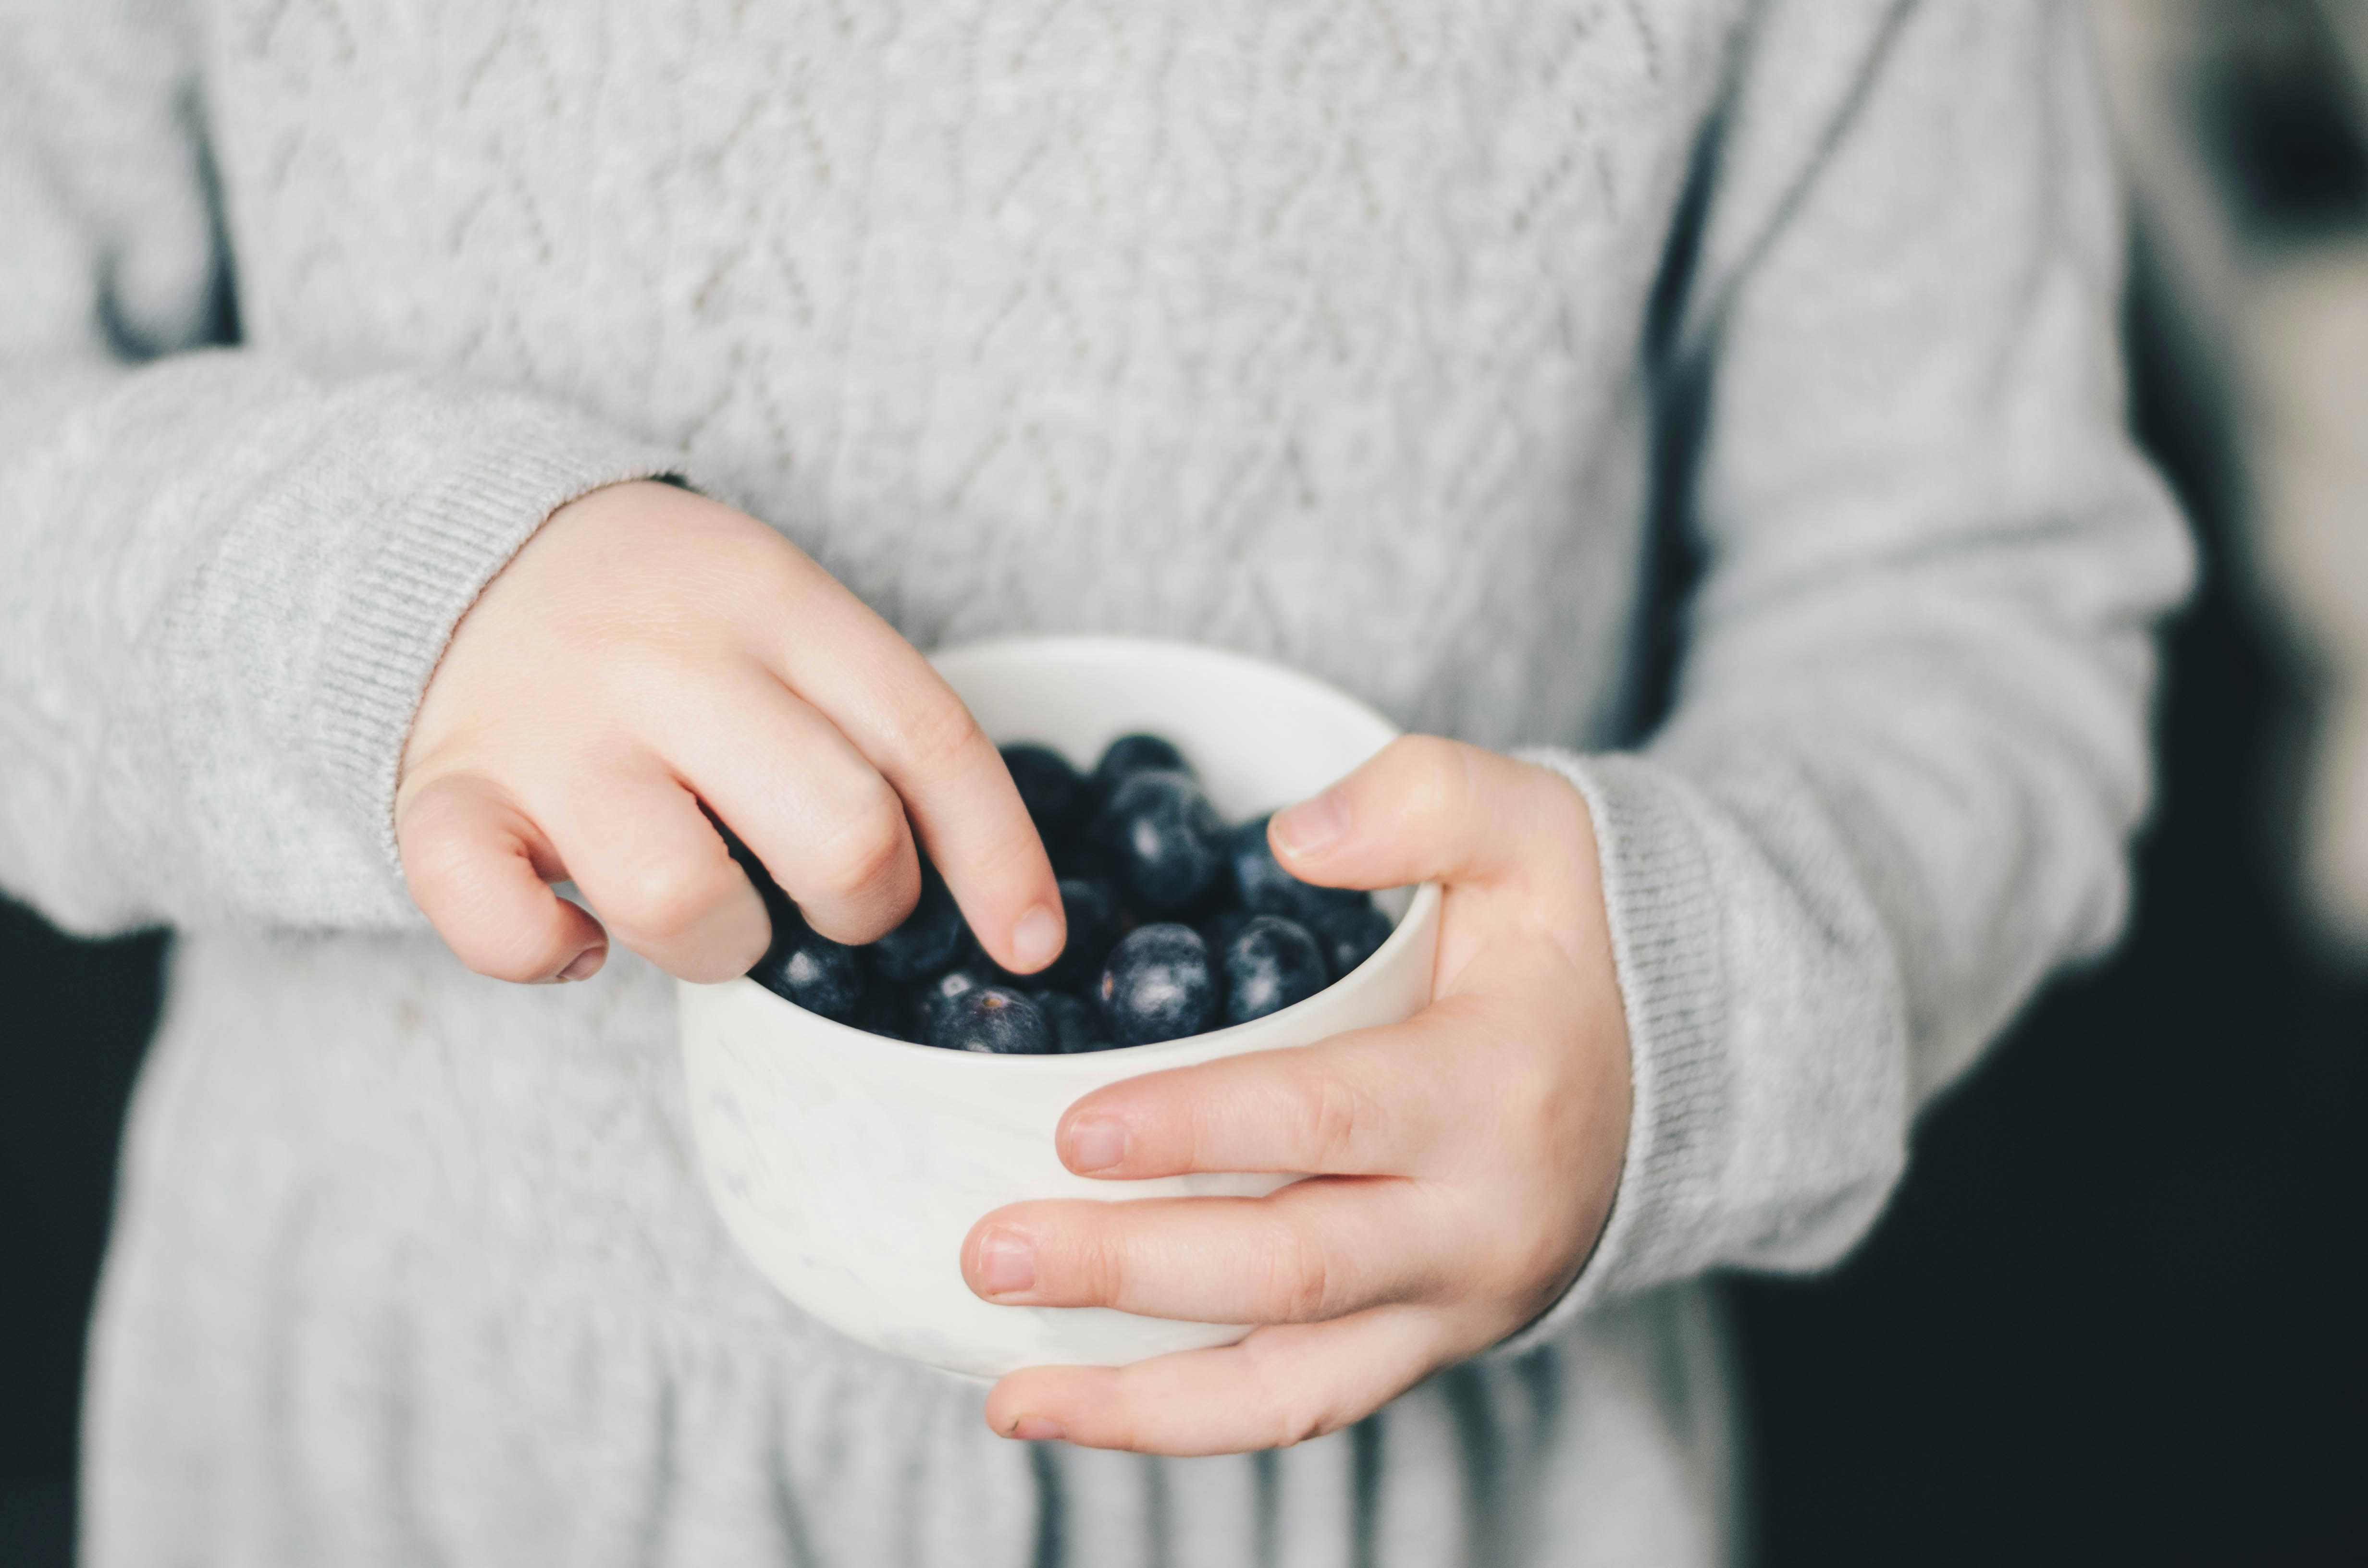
<point>1465,1159</point>
<point>649,650</point>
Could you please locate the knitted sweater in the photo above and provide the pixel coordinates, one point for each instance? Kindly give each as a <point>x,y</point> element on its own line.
<point>1373,337</point>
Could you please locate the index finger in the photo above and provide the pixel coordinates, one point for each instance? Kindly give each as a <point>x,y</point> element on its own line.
<point>898,712</point>
<point>1373,1102</point>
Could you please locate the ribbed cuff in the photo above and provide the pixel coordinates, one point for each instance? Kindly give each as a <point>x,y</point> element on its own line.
<point>1669,949</point>
<point>491,469</point>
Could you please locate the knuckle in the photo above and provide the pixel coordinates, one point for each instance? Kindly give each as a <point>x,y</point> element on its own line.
<point>436,865</point>
<point>1292,1413</point>
<point>432,837</point>
<point>1337,1120</point>
<point>663,898</point>
<point>461,894</point>
<point>461,900</point>
<point>1299,1275</point>
<point>1439,769</point>
<point>937,731</point>
<point>1299,1421</point>
<point>1097,1268</point>
<point>864,848</point>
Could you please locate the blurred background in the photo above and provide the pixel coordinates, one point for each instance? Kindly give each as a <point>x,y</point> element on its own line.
<point>2119,1313</point>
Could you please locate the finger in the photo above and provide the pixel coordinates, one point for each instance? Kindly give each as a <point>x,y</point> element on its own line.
<point>1429,810</point>
<point>897,710</point>
<point>1315,1250</point>
<point>1373,1102</point>
<point>1282,1385</point>
<point>478,867</point>
<point>656,872</point>
<point>822,819</point>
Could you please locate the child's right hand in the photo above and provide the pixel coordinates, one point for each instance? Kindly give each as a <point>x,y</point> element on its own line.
<point>649,650</point>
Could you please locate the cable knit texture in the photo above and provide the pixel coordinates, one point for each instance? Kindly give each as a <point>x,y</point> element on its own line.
<point>1370,336</point>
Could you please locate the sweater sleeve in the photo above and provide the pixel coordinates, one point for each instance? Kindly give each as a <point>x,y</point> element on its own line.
<point>1908,738</point>
<point>224,578</point>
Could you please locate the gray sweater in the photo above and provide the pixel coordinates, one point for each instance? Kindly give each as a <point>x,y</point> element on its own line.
<point>1365,337</point>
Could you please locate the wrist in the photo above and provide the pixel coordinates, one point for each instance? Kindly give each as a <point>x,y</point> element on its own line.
<point>1662,928</point>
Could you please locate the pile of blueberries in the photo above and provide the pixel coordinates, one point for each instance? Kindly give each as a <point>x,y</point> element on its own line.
<point>1178,924</point>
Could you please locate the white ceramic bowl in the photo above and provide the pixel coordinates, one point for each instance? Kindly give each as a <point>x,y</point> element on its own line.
<point>849,1168</point>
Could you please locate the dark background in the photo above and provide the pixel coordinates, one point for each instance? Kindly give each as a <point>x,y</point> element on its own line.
<point>2117,1315</point>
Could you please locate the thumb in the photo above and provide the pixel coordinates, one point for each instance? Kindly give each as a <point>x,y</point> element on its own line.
<point>1425,810</point>
<point>476,868</point>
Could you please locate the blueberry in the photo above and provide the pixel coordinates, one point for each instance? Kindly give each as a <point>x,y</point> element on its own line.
<point>1350,934</point>
<point>974,957</point>
<point>818,974</point>
<point>1092,912</point>
<point>1131,754</point>
<point>881,1012</point>
<point>993,1021</point>
<point>1056,795</point>
<point>1219,928</point>
<point>1079,858</point>
<point>1271,963</point>
<point>1265,888</point>
<point>1157,987</point>
<point>800,965</point>
<point>924,1002</point>
<point>1166,844</point>
<point>1075,1026</point>
<point>928,941</point>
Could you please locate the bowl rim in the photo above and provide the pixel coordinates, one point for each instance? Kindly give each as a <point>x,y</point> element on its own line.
<point>1074,648</point>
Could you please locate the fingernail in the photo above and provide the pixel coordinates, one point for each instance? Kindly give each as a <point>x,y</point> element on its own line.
<point>1036,940</point>
<point>584,965</point>
<point>1037,1429</point>
<point>1006,1264</point>
<point>1312,826</point>
<point>1096,1145</point>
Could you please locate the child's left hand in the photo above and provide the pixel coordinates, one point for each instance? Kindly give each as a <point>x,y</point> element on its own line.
<point>1464,1162</point>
